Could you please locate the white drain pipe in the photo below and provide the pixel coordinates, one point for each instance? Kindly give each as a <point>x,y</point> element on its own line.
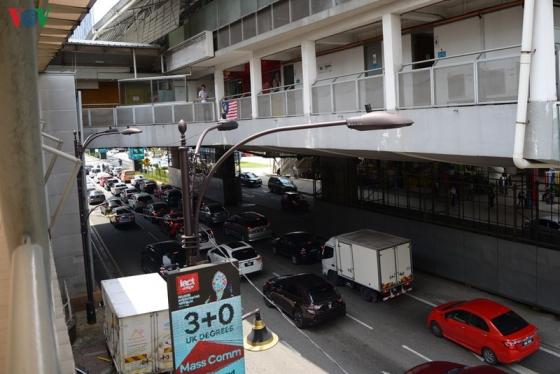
<point>523,91</point>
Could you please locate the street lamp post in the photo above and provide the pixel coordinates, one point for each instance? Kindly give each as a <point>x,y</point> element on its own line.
<point>366,122</point>
<point>189,239</point>
<point>79,148</point>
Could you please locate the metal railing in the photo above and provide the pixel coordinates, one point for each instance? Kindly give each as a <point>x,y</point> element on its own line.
<point>283,101</point>
<point>483,77</point>
<point>243,102</point>
<point>348,93</point>
<point>149,114</point>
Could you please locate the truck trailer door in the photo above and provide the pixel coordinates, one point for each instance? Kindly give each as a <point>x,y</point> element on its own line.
<point>388,267</point>
<point>404,265</point>
<point>345,260</point>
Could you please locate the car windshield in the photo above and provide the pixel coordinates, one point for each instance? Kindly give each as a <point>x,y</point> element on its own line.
<point>113,203</point>
<point>251,175</point>
<point>286,182</point>
<point>256,221</point>
<point>244,254</point>
<point>144,199</point>
<point>120,211</point>
<point>319,293</point>
<point>509,322</point>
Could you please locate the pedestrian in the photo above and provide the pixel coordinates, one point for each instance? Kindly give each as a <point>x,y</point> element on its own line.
<point>521,199</point>
<point>453,192</point>
<point>501,184</point>
<point>491,197</point>
<point>202,94</point>
<point>278,171</point>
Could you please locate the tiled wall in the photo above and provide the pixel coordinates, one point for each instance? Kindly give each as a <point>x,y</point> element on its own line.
<point>57,95</point>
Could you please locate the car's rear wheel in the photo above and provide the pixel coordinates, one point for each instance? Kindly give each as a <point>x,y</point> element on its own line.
<point>436,329</point>
<point>489,356</point>
<point>298,319</point>
<point>267,302</point>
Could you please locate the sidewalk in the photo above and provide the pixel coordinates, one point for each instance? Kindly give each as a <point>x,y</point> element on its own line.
<point>91,355</point>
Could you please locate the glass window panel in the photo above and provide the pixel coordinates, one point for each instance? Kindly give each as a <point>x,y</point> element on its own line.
<point>319,5</point>
<point>342,1</point>
<point>264,20</point>
<point>228,11</point>
<point>135,93</point>
<point>281,13</point>
<point>249,26</point>
<point>223,37</point>
<point>235,32</point>
<point>299,9</point>
<point>262,3</point>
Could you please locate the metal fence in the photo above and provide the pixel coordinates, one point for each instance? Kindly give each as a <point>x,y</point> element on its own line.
<point>243,102</point>
<point>149,114</point>
<point>484,77</point>
<point>281,101</point>
<point>519,207</point>
<point>348,93</point>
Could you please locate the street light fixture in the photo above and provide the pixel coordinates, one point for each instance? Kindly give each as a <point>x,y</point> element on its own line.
<point>79,148</point>
<point>365,122</point>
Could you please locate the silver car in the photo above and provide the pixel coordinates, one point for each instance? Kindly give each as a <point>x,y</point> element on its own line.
<point>139,200</point>
<point>248,226</point>
<point>213,213</point>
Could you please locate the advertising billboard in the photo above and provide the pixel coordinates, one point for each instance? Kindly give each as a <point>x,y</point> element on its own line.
<point>206,323</point>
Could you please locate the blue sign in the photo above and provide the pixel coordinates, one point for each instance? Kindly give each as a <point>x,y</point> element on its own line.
<point>206,323</point>
<point>136,153</point>
<point>441,54</point>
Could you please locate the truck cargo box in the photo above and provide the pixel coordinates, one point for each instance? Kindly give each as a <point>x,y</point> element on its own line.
<point>136,326</point>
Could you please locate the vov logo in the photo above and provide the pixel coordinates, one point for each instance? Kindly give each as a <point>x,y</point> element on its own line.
<point>29,17</point>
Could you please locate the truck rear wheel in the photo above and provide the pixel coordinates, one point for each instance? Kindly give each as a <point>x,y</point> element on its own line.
<point>367,294</point>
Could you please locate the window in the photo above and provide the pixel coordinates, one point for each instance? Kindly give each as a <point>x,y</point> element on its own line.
<point>264,20</point>
<point>223,37</point>
<point>281,13</point>
<point>320,5</point>
<point>509,322</point>
<point>478,322</point>
<point>458,315</point>
<point>235,32</point>
<point>328,252</point>
<point>249,27</point>
<point>299,9</point>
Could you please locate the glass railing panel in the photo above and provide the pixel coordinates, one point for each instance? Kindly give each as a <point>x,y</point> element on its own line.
<point>204,112</point>
<point>294,102</point>
<point>184,112</point>
<point>143,115</point>
<point>370,91</point>
<point>163,114</point>
<point>244,105</point>
<point>278,104</point>
<point>454,84</point>
<point>321,96</point>
<point>415,88</point>
<point>101,117</point>
<point>125,116</point>
<point>263,102</point>
<point>498,79</point>
<point>345,99</point>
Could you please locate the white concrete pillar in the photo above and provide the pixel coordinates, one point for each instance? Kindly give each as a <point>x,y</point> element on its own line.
<point>543,84</point>
<point>392,58</point>
<point>309,73</point>
<point>218,89</point>
<point>255,72</point>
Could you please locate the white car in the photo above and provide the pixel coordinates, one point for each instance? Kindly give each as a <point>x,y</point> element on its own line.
<point>206,238</point>
<point>136,179</point>
<point>249,261</point>
<point>118,188</point>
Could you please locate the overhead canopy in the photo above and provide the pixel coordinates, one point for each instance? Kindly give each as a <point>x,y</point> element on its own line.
<point>63,17</point>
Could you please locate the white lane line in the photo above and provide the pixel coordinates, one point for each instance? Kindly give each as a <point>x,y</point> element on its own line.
<point>550,352</point>
<point>384,372</point>
<point>153,236</point>
<point>275,274</point>
<point>416,353</point>
<point>521,369</point>
<point>477,356</point>
<point>358,321</point>
<point>422,300</point>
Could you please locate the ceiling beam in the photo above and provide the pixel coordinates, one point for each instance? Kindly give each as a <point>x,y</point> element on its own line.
<point>66,9</point>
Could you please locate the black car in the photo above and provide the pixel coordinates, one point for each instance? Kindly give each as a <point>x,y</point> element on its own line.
<point>307,298</point>
<point>148,186</point>
<point>172,197</point>
<point>162,255</point>
<point>294,201</point>
<point>213,213</point>
<point>300,246</point>
<point>155,211</point>
<point>281,184</point>
<point>250,179</point>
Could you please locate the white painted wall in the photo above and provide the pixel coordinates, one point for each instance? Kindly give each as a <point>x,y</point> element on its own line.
<point>344,62</point>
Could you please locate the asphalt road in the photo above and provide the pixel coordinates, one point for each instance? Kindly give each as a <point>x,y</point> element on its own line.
<point>386,337</point>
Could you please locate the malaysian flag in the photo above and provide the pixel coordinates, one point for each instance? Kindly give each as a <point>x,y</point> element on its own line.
<point>231,111</point>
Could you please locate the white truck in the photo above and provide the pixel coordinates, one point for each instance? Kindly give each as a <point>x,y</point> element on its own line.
<point>136,326</point>
<point>378,264</point>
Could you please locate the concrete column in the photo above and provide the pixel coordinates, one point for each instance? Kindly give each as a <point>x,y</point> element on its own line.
<point>392,58</point>
<point>27,323</point>
<point>543,84</point>
<point>309,72</point>
<point>218,89</point>
<point>339,182</point>
<point>255,71</point>
<point>230,183</point>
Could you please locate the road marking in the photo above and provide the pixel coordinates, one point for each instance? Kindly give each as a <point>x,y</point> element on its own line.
<point>153,236</point>
<point>384,372</point>
<point>275,274</point>
<point>550,352</point>
<point>477,356</point>
<point>521,369</point>
<point>422,300</point>
<point>416,353</point>
<point>358,321</point>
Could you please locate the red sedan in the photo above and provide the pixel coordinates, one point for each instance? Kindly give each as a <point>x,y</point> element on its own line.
<point>486,328</point>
